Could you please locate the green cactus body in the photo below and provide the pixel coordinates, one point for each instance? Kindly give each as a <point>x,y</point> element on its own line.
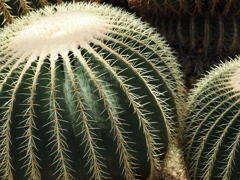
<point>87,91</point>
<point>212,144</point>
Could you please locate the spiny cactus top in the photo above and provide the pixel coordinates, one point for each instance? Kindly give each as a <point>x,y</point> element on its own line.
<point>87,91</point>
<point>213,148</point>
<point>9,10</point>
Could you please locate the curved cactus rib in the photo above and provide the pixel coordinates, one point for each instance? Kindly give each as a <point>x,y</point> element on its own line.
<point>5,165</point>
<point>94,157</point>
<point>5,134</point>
<point>7,114</point>
<point>29,145</point>
<point>57,139</point>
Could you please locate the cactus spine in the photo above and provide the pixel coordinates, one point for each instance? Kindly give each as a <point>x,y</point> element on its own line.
<point>87,91</point>
<point>212,143</point>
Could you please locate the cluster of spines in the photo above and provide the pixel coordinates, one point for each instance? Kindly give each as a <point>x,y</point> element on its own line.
<point>212,142</point>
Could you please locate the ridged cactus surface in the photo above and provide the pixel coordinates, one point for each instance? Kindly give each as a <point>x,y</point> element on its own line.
<point>212,36</point>
<point>213,149</point>
<point>87,91</point>
<point>201,41</point>
<point>192,7</point>
<point>203,32</point>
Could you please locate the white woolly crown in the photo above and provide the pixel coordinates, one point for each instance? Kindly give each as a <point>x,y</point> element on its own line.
<point>59,31</point>
<point>59,28</point>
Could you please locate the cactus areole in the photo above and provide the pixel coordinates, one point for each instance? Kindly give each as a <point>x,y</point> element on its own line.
<point>87,91</point>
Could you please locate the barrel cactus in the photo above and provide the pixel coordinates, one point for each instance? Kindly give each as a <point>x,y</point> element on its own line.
<point>87,91</point>
<point>212,143</point>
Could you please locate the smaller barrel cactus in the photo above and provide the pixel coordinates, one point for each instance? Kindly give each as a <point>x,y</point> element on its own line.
<point>87,91</point>
<point>213,118</point>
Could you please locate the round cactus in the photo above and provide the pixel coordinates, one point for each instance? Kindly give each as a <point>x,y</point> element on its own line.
<point>212,143</point>
<point>87,91</point>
